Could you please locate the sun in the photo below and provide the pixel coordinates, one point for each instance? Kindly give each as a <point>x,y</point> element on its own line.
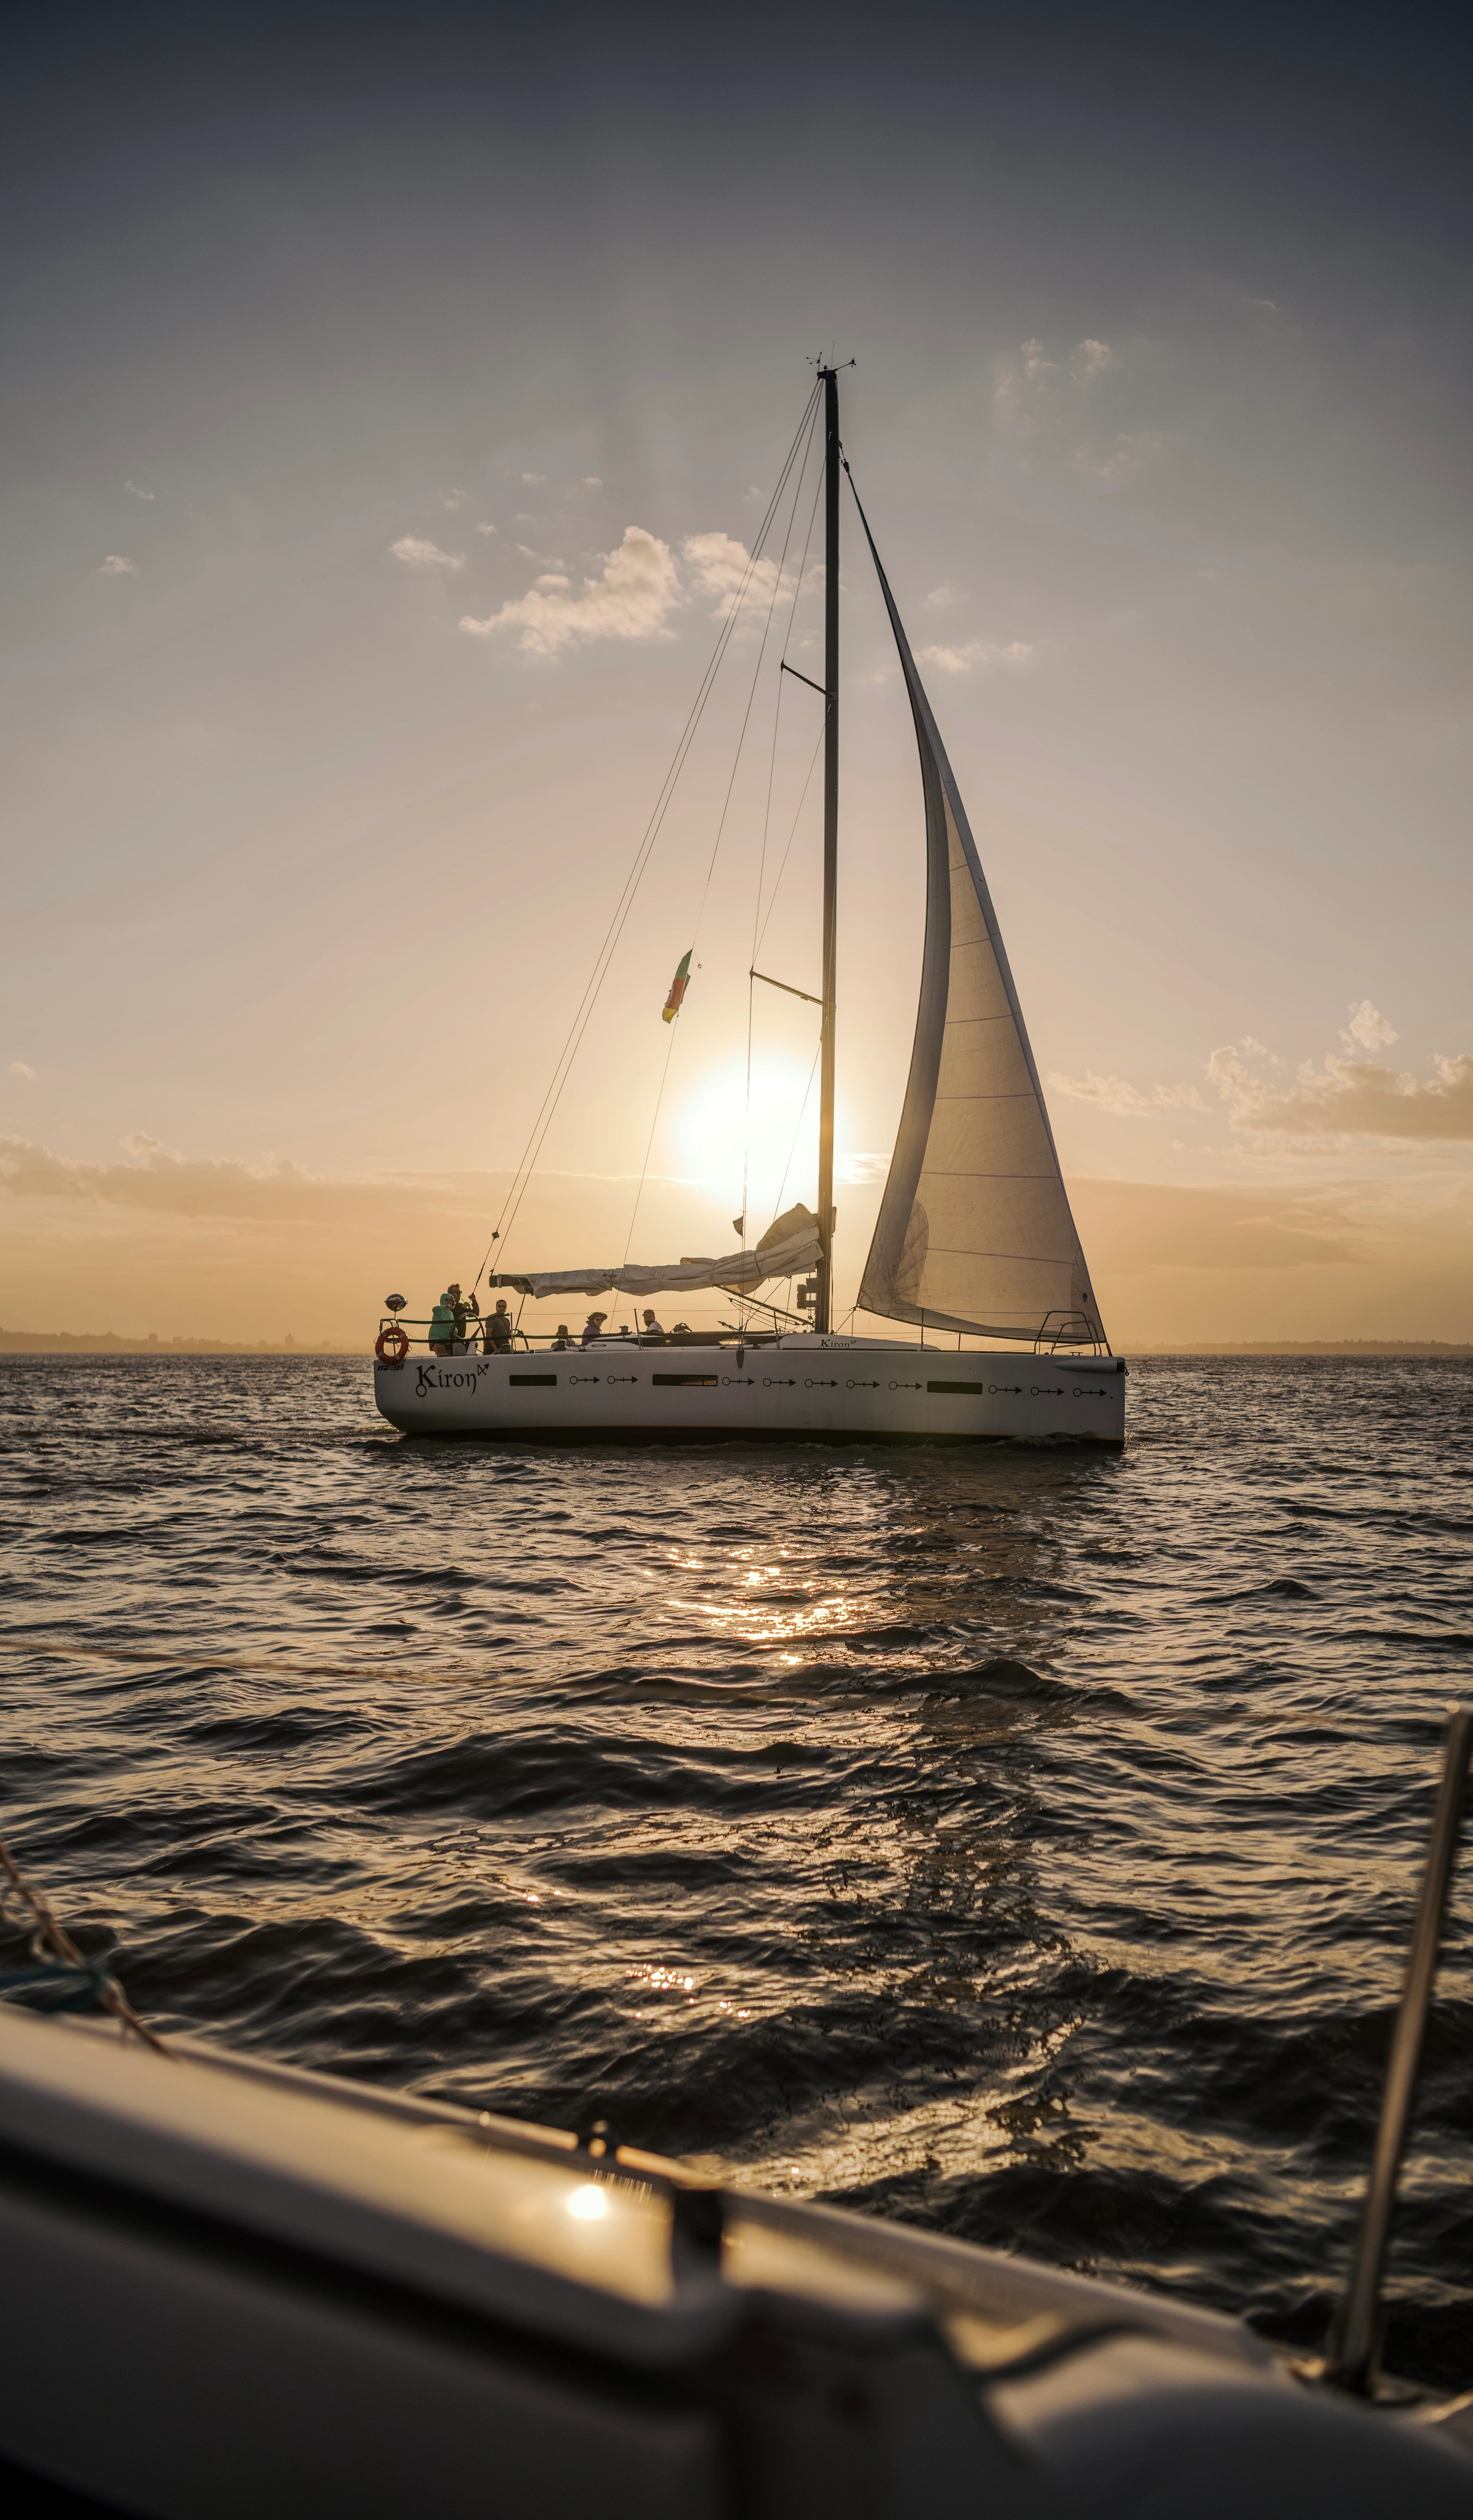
<point>722,1133</point>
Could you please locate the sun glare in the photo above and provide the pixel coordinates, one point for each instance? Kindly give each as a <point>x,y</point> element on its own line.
<point>718,1135</point>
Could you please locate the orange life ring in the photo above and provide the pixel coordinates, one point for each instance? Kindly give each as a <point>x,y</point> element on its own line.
<point>391,1345</point>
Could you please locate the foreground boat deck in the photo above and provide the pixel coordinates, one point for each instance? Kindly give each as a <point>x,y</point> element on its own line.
<point>232,2288</point>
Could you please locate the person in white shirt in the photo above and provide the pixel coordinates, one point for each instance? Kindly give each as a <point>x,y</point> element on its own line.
<point>652,1327</point>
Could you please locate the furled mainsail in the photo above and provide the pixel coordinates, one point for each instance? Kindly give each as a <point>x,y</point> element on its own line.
<point>788,1248</point>
<point>974,1230</point>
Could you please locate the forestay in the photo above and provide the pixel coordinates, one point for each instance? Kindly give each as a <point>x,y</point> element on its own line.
<point>975,1231</point>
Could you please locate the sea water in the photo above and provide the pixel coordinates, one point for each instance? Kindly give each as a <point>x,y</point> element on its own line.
<point>1021,1843</point>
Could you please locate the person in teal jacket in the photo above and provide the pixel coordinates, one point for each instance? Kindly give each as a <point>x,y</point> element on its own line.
<point>442,1327</point>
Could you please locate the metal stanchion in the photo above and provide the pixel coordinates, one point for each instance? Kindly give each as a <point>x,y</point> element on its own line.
<point>1354,2343</point>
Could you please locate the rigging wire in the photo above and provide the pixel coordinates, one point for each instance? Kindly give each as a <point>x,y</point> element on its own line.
<point>756,907</point>
<point>649,1143</point>
<point>798,1132</point>
<point>802,567</point>
<point>778,709</point>
<point>757,667</point>
<point>582,1015</point>
<point>756,912</point>
<point>777,581</point>
<point>791,836</point>
<point>786,852</point>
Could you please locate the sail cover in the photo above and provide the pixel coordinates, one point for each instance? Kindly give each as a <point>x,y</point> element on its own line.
<point>974,1230</point>
<point>788,1248</point>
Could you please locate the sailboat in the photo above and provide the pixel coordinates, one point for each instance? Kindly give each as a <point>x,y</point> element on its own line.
<point>974,1238</point>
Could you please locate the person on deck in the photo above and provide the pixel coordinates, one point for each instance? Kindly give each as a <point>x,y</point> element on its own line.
<point>593,1328</point>
<point>652,1327</point>
<point>498,1329</point>
<point>459,1309</point>
<point>564,1336</point>
<point>442,1326</point>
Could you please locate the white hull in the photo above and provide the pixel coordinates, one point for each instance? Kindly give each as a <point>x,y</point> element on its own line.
<point>804,1388</point>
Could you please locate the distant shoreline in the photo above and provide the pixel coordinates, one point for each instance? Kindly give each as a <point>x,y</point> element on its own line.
<point>109,1343</point>
<point>1310,1347</point>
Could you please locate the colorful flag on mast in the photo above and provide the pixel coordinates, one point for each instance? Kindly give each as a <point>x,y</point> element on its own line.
<point>678,986</point>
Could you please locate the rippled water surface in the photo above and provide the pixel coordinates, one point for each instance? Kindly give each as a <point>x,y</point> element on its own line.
<point>1019,1842</point>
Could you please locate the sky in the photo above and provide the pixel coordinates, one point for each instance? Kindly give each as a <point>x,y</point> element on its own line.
<point>390,402</point>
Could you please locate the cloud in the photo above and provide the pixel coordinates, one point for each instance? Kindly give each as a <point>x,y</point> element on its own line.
<point>947,594</point>
<point>631,598</point>
<point>1113,1094</point>
<point>1343,1098</point>
<point>1026,382</point>
<point>1016,382</point>
<point>1348,1098</point>
<point>177,1184</point>
<point>157,1183</point>
<point>534,480</point>
<point>18,1068</point>
<point>977,652</point>
<point>114,566</point>
<point>137,493</point>
<point>642,585</point>
<point>1268,315</point>
<point>484,527</point>
<point>1130,453</point>
<point>1065,409</point>
<point>724,568</point>
<point>1369,1027</point>
<point>591,482</point>
<point>416,553</point>
<point>452,498</point>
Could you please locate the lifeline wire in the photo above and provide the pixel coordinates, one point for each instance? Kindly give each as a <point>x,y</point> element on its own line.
<point>626,902</point>
<point>61,1969</point>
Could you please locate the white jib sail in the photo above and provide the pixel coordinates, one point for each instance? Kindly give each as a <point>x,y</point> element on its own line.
<point>975,1231</point>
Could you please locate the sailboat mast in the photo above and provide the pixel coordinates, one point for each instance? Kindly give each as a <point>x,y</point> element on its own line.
<point>825,1306</point>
